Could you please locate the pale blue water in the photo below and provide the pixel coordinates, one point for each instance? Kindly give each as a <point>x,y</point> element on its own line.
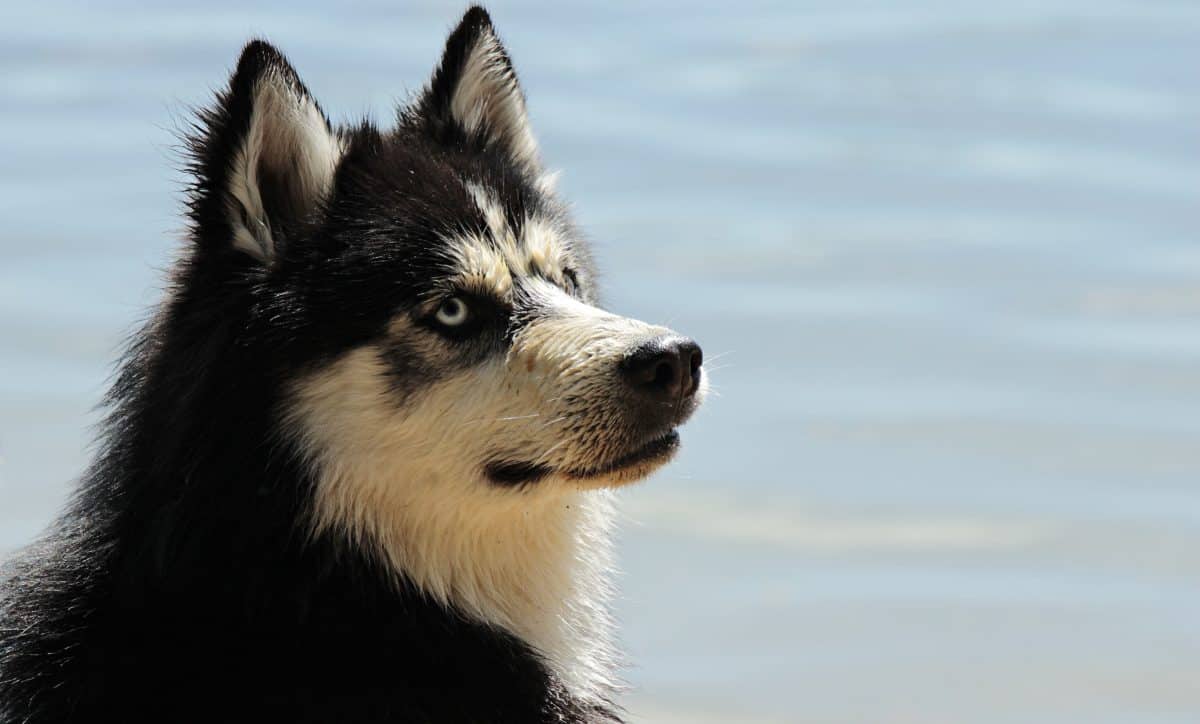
<point>944,259</point>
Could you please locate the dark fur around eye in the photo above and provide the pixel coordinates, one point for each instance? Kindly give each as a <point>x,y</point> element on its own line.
<point>485,316</point>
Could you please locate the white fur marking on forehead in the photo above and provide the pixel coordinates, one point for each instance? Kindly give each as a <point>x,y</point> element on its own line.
<point>287,134</point>
<point>497,222</point>
<point>543,247</point>
<point>538,251</point>
<point>488,100</point>
<point>482,267</point>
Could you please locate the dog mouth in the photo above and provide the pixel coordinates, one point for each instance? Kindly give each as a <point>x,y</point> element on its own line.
<point>657,451</point>
<point>632,464</point>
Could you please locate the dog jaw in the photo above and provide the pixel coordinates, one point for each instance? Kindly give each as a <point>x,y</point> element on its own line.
<point>533,562</point>
<point>405,473</point>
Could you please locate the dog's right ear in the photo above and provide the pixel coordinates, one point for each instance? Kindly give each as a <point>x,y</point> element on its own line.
<point>474,98</point>
<point>263,157</point>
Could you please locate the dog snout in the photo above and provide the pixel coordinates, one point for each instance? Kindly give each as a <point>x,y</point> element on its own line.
<point>665,370</point>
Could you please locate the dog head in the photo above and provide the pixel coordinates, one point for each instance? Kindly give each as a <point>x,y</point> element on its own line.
<point>418,317</point>
<point>426,294</point>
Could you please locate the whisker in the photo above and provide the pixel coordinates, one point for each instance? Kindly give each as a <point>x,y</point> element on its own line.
<point>548,423</point>
<point>482,420</point>
<point>519,417</point>
<point>543,455</point>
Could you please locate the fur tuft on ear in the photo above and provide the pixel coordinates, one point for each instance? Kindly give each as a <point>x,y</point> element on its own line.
<point>474,94</point>
<point>264,156</point>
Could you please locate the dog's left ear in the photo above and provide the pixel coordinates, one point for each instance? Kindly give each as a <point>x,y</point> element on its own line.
<point>264,157</point>
<point>474,96</point>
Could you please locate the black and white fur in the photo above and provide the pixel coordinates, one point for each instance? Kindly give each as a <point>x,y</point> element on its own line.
<point>358,466</point>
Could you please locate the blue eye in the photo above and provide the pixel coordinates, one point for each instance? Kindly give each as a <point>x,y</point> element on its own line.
<point>452,312</point>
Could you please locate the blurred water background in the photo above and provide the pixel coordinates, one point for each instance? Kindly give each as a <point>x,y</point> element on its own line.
<point>943,258</point>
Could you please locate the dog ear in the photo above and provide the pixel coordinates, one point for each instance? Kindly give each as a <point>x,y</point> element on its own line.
<point>474,97</point>
<point>263,157</point>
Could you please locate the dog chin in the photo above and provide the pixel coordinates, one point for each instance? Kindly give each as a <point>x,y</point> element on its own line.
<point>617,479</point>
<point>628,468</point>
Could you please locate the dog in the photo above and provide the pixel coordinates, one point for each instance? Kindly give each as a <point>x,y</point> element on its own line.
<point>358,466</point>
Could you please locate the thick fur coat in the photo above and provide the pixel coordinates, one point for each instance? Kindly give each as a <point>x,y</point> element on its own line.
<point>357,467</point>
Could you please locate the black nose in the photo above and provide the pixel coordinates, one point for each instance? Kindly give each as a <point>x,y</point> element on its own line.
<point>664,369</point>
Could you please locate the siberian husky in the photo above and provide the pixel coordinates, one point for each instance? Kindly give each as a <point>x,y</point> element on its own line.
<point>358,466</point>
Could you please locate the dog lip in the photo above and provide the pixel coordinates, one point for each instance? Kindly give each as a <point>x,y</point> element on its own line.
<point>513,474</point>
<point>658,449</point>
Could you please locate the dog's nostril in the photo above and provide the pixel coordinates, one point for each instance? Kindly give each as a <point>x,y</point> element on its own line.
<point>692,358</point>
<point>651,366</point>
<point>665,374</point>
<point>695,360</point>
<point>666,368</point>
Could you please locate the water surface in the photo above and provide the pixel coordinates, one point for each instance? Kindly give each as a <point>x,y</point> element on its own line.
<point>943,259</point>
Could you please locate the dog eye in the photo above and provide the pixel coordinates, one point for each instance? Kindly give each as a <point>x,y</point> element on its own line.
<point>452,312</point>
<point>570,282</point>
